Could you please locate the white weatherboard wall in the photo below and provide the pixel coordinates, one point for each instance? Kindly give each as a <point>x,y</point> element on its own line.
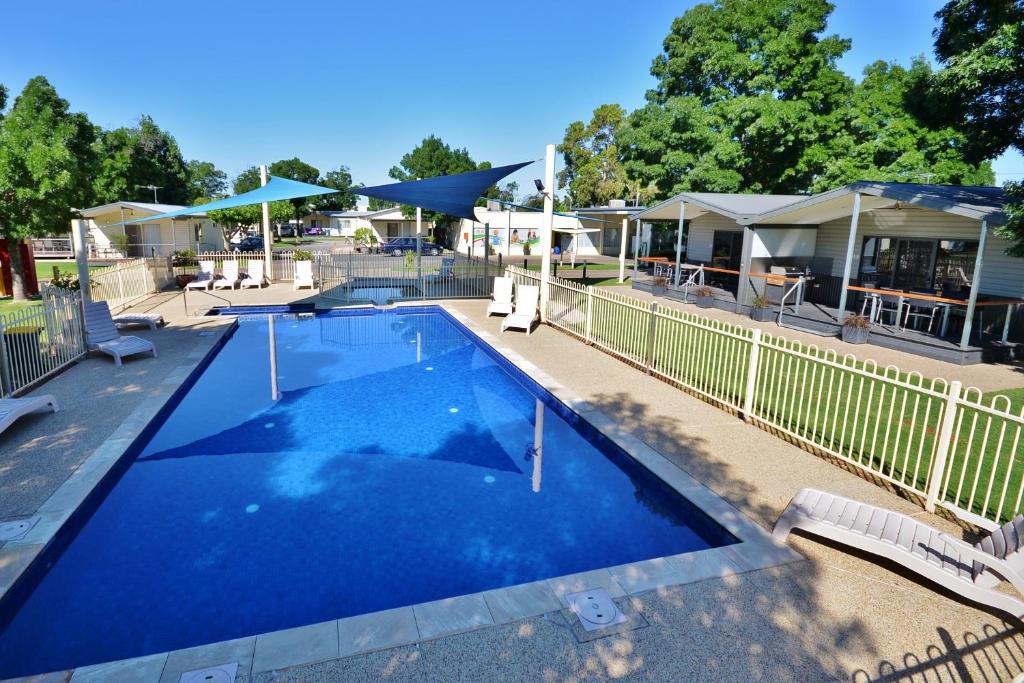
<point>701,236</point>
<point>783,242</point>
<point>1001,274</point>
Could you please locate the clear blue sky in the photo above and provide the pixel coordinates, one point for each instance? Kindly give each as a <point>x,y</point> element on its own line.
<point>360,84</point>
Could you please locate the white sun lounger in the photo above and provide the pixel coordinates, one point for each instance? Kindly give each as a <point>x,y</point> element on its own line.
<point>501,300</point>
<point>303,275</point>
<point>228,276</point>
<point>150,320</point>
<point>13,408</point>
<point>253,274</point>
<point>526,310</point>
<point>204,278</point>
<point>972,572</point>
<point>102,335</point>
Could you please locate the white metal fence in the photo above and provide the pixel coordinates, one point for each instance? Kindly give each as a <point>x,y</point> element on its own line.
<point>128,281</point>
<point>930,437</point>
<point>40,340</point>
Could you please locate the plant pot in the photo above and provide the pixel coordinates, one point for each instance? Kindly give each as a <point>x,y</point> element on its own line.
<point>855,335</point>
<point>761,315</point>
<point>183,279</point>
<point>705,302</point>
<point>659,290</point>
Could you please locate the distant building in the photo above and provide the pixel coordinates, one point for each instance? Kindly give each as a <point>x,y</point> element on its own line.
<point>109,237</point>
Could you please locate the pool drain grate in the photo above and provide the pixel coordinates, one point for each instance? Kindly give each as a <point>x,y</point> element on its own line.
<point>12,531</point>
<point>222,673</point>
<point>595,609</point>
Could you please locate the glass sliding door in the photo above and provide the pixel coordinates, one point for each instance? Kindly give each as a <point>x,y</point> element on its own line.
<point>914,259</point>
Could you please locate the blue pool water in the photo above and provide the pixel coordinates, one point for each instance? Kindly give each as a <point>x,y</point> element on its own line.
<point>396,467</point>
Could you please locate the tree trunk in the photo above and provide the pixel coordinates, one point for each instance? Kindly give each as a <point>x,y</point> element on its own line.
<point>17,270</point>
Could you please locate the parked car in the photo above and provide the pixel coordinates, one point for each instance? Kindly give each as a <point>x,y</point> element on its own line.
<point>400,245</point>
<point>315,231</point>
<point>286,230</point>
<point>251,244</point>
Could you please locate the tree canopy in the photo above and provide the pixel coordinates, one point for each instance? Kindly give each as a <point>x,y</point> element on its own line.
<point>593,170</point>
<point>133,158</point>
<point>340,179</point>
<point>205,180</point>
<point>431,158</point>
<point>980,90</point>
<point>45,161</point>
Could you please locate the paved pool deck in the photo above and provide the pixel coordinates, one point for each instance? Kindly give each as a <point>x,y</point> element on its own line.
<point>834,616</point>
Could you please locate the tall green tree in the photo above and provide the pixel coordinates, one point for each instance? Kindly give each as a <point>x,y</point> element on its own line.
<point>136,157</point>
<point>980,44</point>
<point>46,157</point>
<point>296,169</point>
<point>205,181</point>
<point>340,179</point>
<point>431,158</point>
<point>746,99</point>
<point>593,171</point>
<point>883,139</point>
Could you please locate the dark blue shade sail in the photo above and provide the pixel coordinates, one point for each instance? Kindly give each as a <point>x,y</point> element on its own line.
<point>275,190</point>
<point>454,195</point>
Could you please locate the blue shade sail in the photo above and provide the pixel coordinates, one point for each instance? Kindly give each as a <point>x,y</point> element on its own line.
<point>454,195</point>
<point>276,189</point>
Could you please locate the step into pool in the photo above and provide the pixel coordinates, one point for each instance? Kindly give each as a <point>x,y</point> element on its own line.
<point>393,458</point>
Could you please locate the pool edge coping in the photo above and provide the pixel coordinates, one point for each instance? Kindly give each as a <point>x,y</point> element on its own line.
<point>755,548</point>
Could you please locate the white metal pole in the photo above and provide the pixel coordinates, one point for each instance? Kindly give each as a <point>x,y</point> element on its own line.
<point>972,301</point>
<point>549,224</point>
<point>274,394</point>
<point>679,238</point>
<point>538,444</point>
<point>622,250</point>
<point>419,247</point>
<point>268,239</point>
<point>851,242</point>
<point>78,231</point>
<point>636,252</point>
<point>752,363</point>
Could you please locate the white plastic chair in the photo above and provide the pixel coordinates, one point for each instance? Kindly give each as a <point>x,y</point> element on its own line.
<point>253,275</point>
<point>973,572</point>
<point>527,310</point>
<point>228,276</point>
<point>102,335</point>
<point>501,299</point>
<point>204,278</point>
<point>13,408</point>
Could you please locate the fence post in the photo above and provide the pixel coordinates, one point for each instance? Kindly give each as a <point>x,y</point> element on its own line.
<point>942,449</point>
<point>6,384</point>
<point>748,394</point>
<point>589,330</point>
<point>650,337</point>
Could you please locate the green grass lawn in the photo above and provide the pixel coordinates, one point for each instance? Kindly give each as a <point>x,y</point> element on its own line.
<point>44,269</point>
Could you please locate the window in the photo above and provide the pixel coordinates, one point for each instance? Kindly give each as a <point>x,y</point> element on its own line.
<point>727,249</point>
<point>917,264</point>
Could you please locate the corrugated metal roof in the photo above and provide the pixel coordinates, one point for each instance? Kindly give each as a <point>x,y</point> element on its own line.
<point>137,206</point>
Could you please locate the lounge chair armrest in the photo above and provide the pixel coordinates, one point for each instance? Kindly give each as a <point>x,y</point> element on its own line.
<point>1000,567</point>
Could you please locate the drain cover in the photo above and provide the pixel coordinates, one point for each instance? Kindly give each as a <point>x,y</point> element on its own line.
<point>223,673</point>
<point>595,609</point>
<point>11,531</point>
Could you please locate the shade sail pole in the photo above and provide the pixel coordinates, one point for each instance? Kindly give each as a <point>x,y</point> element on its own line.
<point>549,224</point>
<point>679,239</point>
<point>268,240</point>
<point>972,300</point>
<point>622,249</point>
<point>848,263</point>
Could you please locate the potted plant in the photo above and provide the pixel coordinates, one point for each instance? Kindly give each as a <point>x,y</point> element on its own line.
<point>183,258</point>
<point>365,238</point>
<point>660,284</point>
<point>705,297</point>
<point>302,255</point>
<point>856,329</point>
<point>761,309</point>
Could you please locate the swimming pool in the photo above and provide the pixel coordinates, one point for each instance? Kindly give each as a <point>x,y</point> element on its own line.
<point>397,464</point>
